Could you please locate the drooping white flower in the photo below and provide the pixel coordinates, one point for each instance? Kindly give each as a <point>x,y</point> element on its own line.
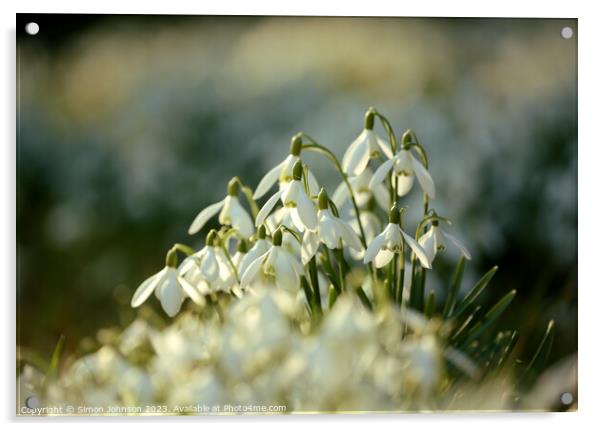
<point>362,192</point>
<point>433,241</point>
<point>371,225</point>
<point>384,246</point>
<point>292,196</point>
<point>169,287</point>
<point>405,167</point>
<point>231,213</point>
<point>276,266</point>
<point>260,247</point>
<point>330,231</point>
<point>283,173</point>
<point>364,147</point>
<point>208,269</point>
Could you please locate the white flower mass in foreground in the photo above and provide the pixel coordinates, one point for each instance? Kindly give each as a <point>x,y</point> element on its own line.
<point>314,305</point>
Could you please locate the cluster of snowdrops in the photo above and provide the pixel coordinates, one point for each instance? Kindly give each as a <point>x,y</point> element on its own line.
<point>306,299</point>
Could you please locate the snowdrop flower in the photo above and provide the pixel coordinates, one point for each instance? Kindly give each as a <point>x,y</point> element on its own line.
<point>362,192</point>
<point>405,167</point>
<point>293,196</point>
<point>382,248</point>
<point>330,231</point>
<point>170,287</point>
<point>274,266</point>
<point>231,213</point>
<point>208,269</point>
<point>365,146</point>
<point>433,241</point>
<point>260,247</point>
<point>283,172</point>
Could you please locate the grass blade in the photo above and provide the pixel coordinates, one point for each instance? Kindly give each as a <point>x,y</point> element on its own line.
<point>429,308</point>
<point>54,360</point>
<point>490,317</point>
<point>472,295</point>
<point>450,302</point>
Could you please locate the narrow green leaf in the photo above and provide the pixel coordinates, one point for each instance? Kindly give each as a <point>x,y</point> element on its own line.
<point>308,294</point>
<point>332,296</point>
<point>540,358</point>
<point>429,308</point>
<point>507,350</point>
<point>465,325</point>
<point>363,297</point>
<point>490,317</point>
<point>450,302</point>
<point>56,356</point>
<point>476,291</point>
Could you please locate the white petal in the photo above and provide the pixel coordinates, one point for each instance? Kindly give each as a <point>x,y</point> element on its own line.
<point>293,261</point>
<point>293,220</point>
<point>427,242</point>
<point>266,208</point>
<point>404,184</point>
<point>341,194</point>
<point>186,265</point>
<point>349,236</point>
<point>357,156</point>
<point>382,258</point>
<point>241,220</point>
<point>417,249</point>
<point>260,247</point>
<point>191,291</point>
<point>314,186</point>
<point>424,178</point>
<point>171,293</point>
<point>329,231</point>
<point>458,244</point>
<point>310,245</point>
<point>286,276</point>
<point>374,247</point>
<point>252,270</point>
<point>384,147</point>
<point>203,217</point>
<point>290,193</point>
<point>286,172</point>
<point>210,266</point>
<point>381,173</point>
<point>307,211</point>
<point>267,181</point>
<point>146,288</point>
<point>381,195</point>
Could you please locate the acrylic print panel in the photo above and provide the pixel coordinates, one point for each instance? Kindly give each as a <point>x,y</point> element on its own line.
<point>272,215</point>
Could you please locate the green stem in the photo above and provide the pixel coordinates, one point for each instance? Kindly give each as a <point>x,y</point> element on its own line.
<point>314,146</point>
<point>234,270</point>
<point>402,271</point>
<point>389,130</point>
<point>183,248</point>
<point>313,274</point>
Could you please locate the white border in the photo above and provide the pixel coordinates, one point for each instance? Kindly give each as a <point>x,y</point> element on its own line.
<point>590,71</point>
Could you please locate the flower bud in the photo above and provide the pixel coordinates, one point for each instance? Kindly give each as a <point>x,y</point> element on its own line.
<point>298,171</point>
<point>171,258</point>
<point>406,138</point>
<point>261,232</point>
<point>233,187</point>
<point>394,215</point>
<point>277,237</point>
<point>369,119</point>
<point>296,145</point>
<point>323,200</point>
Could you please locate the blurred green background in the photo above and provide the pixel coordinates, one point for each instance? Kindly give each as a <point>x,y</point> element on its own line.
<point>129,125</point>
